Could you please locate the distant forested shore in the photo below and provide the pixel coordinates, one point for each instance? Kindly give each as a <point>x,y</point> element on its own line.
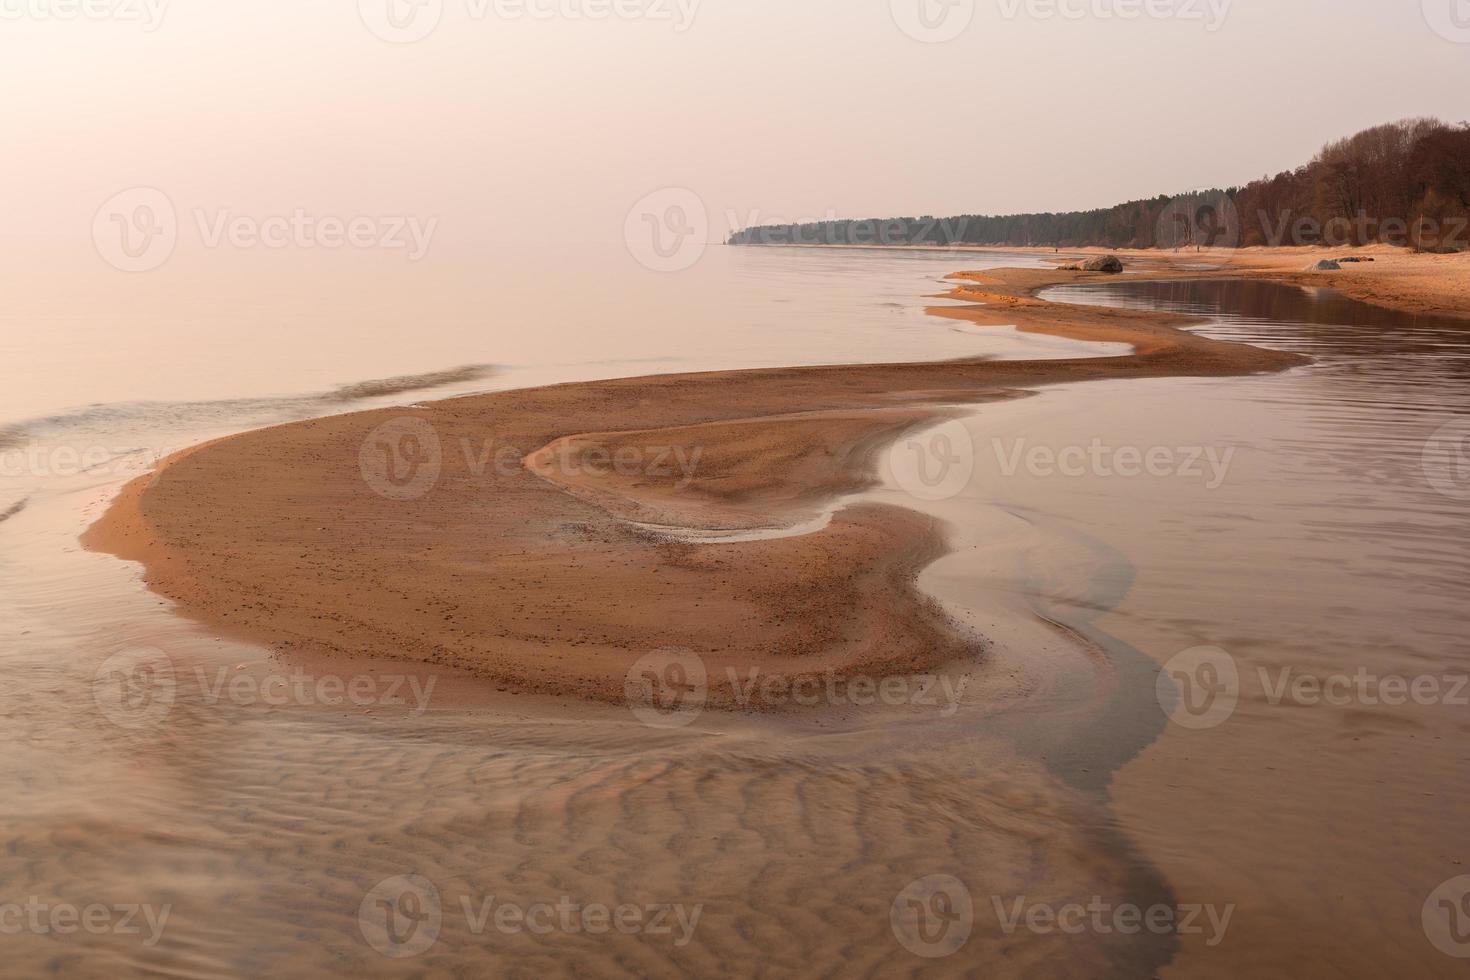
<point>1405,183</point>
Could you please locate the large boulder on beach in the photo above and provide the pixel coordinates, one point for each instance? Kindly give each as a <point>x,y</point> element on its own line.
<point>1103,263</point>
<point>1326,265</point>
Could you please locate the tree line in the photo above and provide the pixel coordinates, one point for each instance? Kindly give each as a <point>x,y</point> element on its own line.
<point>1405,183</point>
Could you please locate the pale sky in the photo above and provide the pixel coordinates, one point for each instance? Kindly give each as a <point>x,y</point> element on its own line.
<point>548,128</point>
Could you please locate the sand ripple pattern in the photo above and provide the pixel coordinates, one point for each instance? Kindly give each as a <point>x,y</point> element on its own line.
<point>264,830</point>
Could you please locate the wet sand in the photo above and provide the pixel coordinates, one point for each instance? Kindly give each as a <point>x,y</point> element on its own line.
<point>1396,278</point>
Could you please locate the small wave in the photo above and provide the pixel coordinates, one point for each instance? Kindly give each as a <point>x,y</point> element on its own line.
<point>383,387</point>
<point>120,420</point>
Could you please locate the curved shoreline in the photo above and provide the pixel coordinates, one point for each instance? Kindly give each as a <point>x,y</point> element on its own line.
<point>499,570</point>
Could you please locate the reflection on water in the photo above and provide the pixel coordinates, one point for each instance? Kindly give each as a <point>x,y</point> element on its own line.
<point>264,825</point>
<point>260,326</point>
<point>1325,556</point>
<point>1311,320</point>
<point>1343,450</point>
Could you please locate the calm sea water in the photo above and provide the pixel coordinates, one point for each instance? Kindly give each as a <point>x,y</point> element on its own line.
<point>1311,522</point>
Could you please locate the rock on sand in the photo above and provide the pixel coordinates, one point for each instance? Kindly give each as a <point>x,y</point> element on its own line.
<point>1103,263</point>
